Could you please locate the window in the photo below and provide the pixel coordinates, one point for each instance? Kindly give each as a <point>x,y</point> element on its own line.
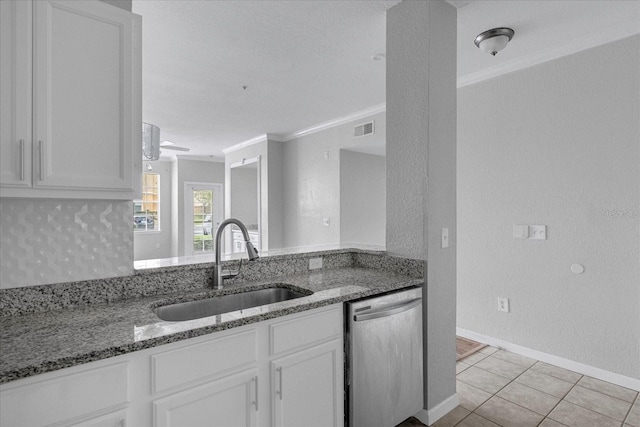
<point>146,211</point>
<point>203,213</point>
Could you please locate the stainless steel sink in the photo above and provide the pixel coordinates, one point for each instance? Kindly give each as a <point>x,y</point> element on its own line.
<point>225,303</point>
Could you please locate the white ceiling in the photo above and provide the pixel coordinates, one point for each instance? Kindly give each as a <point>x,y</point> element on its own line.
<point>308,62</point>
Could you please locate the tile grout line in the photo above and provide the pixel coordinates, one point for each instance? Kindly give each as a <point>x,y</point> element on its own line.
<point>493,395</point>
<point>496,393</point>
<point>474,412</point>
<point>562,400</point>
<point>599,413</point>
<point>636,401</point>
<point>514,380</point>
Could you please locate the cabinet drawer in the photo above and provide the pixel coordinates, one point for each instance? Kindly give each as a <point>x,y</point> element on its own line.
<point>306,330</point>
<point>65,397</point>
<point>192,363</point>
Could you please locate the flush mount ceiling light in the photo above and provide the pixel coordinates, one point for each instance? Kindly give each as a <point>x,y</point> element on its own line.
<point>494,40</point>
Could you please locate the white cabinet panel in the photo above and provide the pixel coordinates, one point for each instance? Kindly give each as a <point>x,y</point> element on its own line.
<point>65,397</point>
<point>82,96</point>
<point>308,387</point>
<point>190,363</point>
<point>15,93</point>
<point>229,402</point>
<point>112,419</point>
<point>306,330</point>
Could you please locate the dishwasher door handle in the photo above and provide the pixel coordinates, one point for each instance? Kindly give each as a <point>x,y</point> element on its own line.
<point>388,311</point>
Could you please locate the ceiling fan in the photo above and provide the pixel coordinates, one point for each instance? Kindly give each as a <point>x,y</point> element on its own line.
<point>165,145</point>
<point>169,145</point>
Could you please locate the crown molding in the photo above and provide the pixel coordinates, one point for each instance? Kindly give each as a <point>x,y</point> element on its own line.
<point>336,122</point>
<point>307,131</point>
<point>211,159</point>
<point>597,38</point>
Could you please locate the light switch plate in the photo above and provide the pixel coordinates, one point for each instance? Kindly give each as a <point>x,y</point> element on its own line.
<point>520,231</point>
<point>326,221</point>
<point>538,232</point>
<point>445,238</point>
<point>503,304</point>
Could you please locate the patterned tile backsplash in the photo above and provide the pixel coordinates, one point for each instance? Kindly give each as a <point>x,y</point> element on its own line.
<point>52,241</point>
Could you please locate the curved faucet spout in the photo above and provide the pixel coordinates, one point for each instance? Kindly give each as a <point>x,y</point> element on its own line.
<point>218,277</point>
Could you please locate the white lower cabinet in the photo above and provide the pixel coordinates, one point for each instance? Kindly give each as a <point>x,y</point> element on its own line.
<point>87,395</point>
<point>308,387</point>
<point>112,419</point>
<point>231,402</point>
<point>281,372</point>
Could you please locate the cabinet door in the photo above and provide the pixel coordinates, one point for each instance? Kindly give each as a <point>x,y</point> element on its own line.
<point>62,398</point>
<point>15,93</point>
<point>84,128</point>
<point>308,387</point>
<point>231,402</point>
<point>113,419</point>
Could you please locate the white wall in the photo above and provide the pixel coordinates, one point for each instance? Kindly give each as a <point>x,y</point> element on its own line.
<point>362,198</point>
<point>421,176</point>
<point>311,176</point>
<point>555,144</point>
<point>244,194</point>
<point>275,209</point>
<point>157,244</point>
<point>187,170</point>
<point>312,189</point>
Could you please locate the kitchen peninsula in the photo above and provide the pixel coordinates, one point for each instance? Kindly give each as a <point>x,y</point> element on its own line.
<point>59,329</point>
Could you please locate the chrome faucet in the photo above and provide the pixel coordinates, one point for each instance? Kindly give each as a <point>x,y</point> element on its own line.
<point>219,274</point>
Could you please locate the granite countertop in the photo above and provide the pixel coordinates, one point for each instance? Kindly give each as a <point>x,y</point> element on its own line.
<point>41,342</point>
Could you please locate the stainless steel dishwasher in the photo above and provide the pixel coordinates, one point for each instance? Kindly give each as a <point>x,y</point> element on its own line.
<point>384,359</point>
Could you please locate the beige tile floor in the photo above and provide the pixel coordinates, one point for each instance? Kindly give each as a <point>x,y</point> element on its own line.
<point>499,388</point>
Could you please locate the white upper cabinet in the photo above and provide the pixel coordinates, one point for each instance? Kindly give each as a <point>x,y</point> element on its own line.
<point>80,63</point>
<point>15,93</point>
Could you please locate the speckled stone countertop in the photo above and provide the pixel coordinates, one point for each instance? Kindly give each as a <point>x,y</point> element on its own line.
<point>40,342</point>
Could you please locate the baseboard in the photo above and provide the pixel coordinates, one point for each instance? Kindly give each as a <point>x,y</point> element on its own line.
<point>430,416</point>
<point>571,365</point>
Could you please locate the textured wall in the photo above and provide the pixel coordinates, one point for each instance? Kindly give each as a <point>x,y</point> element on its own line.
<point>244,194</point>
<point>312,189</point>
<point>564,153</point>
<point>275,179</point>
<point>363,190</point>
<point>51,241</point>
<point>421,172</point>
<point>312,181</point>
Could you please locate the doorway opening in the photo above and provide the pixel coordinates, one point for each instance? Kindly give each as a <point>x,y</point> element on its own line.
<point>203,215</point>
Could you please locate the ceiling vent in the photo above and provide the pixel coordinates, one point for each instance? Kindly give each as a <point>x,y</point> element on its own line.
<point>363,129</point>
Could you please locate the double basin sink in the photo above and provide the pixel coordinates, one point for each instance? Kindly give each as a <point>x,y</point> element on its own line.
<point>226,303</point>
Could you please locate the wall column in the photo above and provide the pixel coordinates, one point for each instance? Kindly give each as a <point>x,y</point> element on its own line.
<point>421,176</point>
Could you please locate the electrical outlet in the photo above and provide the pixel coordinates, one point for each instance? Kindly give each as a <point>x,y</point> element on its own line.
<point>503,304</point>
<point>315,263</point>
